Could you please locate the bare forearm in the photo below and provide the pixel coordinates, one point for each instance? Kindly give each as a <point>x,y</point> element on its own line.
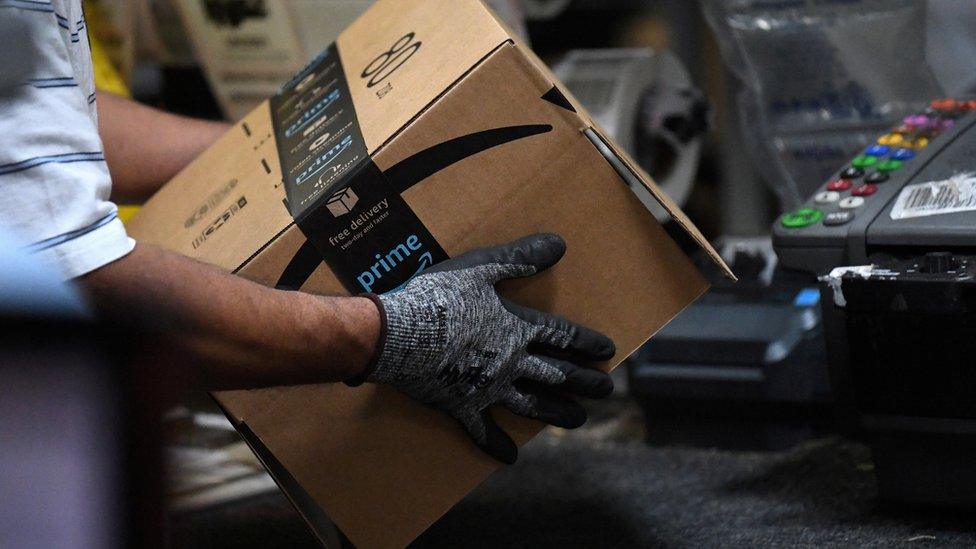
<point>146,147</point>
<point>237,333</point>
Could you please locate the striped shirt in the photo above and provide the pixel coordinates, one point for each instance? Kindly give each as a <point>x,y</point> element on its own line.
<point>54,183</point>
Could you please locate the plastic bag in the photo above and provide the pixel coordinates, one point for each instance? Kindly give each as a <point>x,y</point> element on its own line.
<point>821,79</point>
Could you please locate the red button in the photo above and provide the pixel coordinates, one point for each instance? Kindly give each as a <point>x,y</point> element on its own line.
<point>839,185</point>
<point>865,190</point>
<point>945,104</point>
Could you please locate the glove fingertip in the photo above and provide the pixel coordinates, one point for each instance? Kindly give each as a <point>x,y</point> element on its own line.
<point>541,250</point>
<point>508,456</point>
<point>592,383</point>
<point>576,421</point>
<point>601,346</point>
<point>602,387</point>
<point>553,239</point>
<point>570,416</point>
<point>556,246</point>
<point>586,344</point>
<point>498,444</point>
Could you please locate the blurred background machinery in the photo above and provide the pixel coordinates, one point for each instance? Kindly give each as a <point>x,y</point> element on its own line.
<point>646,101</point>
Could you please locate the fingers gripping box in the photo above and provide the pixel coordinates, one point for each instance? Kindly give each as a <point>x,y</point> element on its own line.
<point>425,131</point>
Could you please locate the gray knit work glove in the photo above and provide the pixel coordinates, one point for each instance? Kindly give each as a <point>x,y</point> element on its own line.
<point>452,343</point>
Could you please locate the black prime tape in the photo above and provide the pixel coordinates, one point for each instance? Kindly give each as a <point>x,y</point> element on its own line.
<point>356,221</point>
<point>351,212</point>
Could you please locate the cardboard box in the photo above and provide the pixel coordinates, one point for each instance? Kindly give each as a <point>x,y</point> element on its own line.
<point>424,132</point>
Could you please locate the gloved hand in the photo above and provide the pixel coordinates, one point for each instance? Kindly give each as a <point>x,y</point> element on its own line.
<point>451,342</point>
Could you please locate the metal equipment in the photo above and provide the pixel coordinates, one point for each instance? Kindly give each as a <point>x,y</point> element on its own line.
<point>645,100</point>
<point>900,322</point>
<point>742,367</point>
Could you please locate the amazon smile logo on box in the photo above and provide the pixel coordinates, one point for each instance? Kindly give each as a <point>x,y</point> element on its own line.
<point>393,259</point>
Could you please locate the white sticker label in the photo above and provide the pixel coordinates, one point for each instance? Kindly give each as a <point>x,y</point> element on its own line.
<point>956,194</point>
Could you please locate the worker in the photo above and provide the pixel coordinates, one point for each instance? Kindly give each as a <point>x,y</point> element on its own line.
<point>446,339</point>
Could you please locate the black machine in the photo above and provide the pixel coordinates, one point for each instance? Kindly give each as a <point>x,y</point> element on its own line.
<point>900,320</point>
<point>907,194</point>
<point>743,367</point>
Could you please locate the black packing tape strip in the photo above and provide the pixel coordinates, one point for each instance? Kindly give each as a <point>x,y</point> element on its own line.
<point>369,236</point>
<point>353,218</point>
<point>352,213</point>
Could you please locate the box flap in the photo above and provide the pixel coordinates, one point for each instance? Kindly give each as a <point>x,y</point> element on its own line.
<point>394,58</point>
<point>627,162</point>
<point>638,175</point>
<point>199,212</point>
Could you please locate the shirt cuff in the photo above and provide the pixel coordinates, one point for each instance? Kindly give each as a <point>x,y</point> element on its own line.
<point>91,250</point>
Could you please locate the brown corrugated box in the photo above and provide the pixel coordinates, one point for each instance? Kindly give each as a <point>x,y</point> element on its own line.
<point>381,466</point>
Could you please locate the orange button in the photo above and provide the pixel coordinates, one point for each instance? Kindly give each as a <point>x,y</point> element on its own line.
<point>891,139</point>
<point>945,104</point>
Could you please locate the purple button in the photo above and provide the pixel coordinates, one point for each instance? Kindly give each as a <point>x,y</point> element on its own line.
<point>917,120</point>
<point>945,124</point>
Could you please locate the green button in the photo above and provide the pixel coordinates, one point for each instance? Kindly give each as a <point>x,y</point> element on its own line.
<point>804,217</point>
<point>889,165</point>
<point>864,161</point>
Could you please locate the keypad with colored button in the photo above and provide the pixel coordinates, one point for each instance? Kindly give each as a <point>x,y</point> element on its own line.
<point>903,155</point>
<point>889,165</point>
<point>836,219</point>
<point>891,139</point>
<point>804,217</point>
<point>840,185</point>
<point>826,197</point>
<point>918,143</point>
<point>852,215</point>
<point>877,177</point>
<point>858,183</point>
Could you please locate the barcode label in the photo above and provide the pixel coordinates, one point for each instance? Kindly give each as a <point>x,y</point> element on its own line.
<point>956,194</point>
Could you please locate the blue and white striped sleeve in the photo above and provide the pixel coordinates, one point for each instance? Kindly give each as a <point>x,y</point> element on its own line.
<point>54,182</point>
